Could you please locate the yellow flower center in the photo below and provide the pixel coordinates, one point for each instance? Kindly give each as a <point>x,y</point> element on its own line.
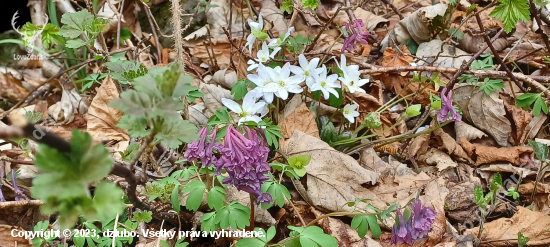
<point>282,83</point>
<point>306,73</point>
<point>324,83</point>
<point>298,164</point>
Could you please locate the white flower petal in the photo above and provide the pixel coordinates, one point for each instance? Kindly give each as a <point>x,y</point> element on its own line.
<point>232,105</point>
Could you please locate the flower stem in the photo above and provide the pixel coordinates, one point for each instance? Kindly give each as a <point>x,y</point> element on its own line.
<point>251,226</point>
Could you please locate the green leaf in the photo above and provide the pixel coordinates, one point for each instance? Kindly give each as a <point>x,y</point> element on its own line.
<point>310,4</point>
<point>522,240</point>
<point>510,12</point>
<point>413,110</point>
<point>175,199</point>
<point>250,242</point>
<point>374,227</point>
<point>360,223</point>
<point>239,89</point>
<point>513,193</point>
<point>194,199</point>
<point>386,213</point>
<point>136,127</point>
<point>480,199</point>
<point>541,150</point>
<point>185,173</point>
<point>216,197</point>
<point>164,243</point>
<point>526,100</point>
<point>208,221</point>
<point>491,85</point>
<point>64,181</point>
<point>235,215</point>
<point>540,105</point>
<point>313,235</point>
<point>412,46</point>
<point>125,34</point>
<point>75,43</point>
<point>277,191</point>
<point>458,35</point>
<point>142,216</point>
<point>287,6</point>
<point>176,132</point>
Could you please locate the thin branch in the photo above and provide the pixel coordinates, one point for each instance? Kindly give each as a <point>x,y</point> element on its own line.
<point>4,205</point>
<point>395,9</point>
<point>153,29</point>
<point>535,13</point>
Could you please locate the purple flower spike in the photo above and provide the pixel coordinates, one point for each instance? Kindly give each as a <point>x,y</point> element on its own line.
<point>401,234</point>
<point>447,107</point>
<point>200,150</point>
<point>18,192</point>
<point>355,33</point>
<point>245,160</point>
<point>423,219</point>
<point>2,199</point>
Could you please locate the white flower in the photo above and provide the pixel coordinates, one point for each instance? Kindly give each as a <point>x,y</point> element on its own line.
<point>306,69</point>
<point>342,65</point>
<point>263,56</point>
<point>254,27</point>
<point>352,80</point>
<point>262,79</point>
<point>283,83</point>
<point>350,112</point>
<point>277,42</point>
<point>325,83</point>
<point>249,109</point>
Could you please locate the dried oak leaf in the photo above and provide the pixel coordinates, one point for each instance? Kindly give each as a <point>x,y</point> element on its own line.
<point>11,87</point>
<point>535,225</point>
<point>392,58</point>
<point>468,132</point>
<point>485,154</point>
<point>448,143</point>
<point>533,128</point>
<point>439,158</point>
<point>301,119</point>
<point>520,117</point>
<point>333,178</point>
<point>102,119</point>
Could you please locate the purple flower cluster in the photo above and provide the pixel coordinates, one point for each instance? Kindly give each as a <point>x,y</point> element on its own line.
<point>355,33</point>
<point>18,192</point>
<point>243,158</point>
<point>417,226</point>
<point>201,150</point>
<point>446,107</point>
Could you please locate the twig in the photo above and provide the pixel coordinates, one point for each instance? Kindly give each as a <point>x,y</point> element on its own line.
<point>230,37</point>
<point>4,205</point>
<point>539,23</point>
<point>142,149</point>
<point>178,32</point>
<point>323,28</point>
<point>295,12</point>
<point>118,25</point>
<point>395,9</point>
<point>55,76</point>
<point>216,67</point>
<point>513,48</point>
<point>297,213</point>
<point>495,53</point>
<point>350,13</point>
<point>453,80</point>
<point>153,29</point>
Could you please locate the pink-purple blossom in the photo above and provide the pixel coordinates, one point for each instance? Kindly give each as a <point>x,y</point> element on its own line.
<point>447,107</point>
<point>355,33</point>
<point>201,150</point>
<point>417,226</point>
<point>245,161</point>
<point>18,192</point>
<point>423,219</point>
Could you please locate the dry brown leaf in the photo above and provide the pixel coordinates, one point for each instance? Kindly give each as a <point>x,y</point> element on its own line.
<point>533,128</point>
<point>520,117</point>
<point>345,235</point>
<point>11,87</point>
<point>370,160</point>
<point>422,93</point>
<point>301,119</point>
<point>451,57</point>
<point>448,143</point>
<point>534,225</point>
<point>393,58</point>
<point>333,178</point>
<point>468,132</point>
<point>486,112</point>
<point>222,53</point>
<point>542,199</point>
<point>103,119</point>
<point>6,238</point>
<point>439,158</point>
<point>485,154</point>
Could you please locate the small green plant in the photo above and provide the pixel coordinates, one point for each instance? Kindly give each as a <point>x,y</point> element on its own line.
<point>81,24</point>
<point>536,100</point>
<point>522,240</point>
<point>287,6</point>
<point>90,80</point>
<point>33,117</point>
<point>312,4</point>
<point>512,11</point>
<point>42,226</point>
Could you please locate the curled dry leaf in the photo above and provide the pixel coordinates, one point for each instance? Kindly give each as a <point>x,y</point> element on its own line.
<point>224,78</point>
<point>523,221</point>
<point>414,26</point>
<point>333,178</point>
<point>11,87</point>
<point>533,128</point>
<point>213,95</point>
<point>520,117</point>
<point>102,119</point>
<point>485,154</point>
<point>451,57</point>
<point>71,103</point>
<point>446,142</point>
<point>301,119</point>
<point>370,160</point>
<point>370,19</point>
<point>485,111</point>
<point>273,15</point>
<point>439,158</point>
<point>219,17</point>
<point>468,132</point>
